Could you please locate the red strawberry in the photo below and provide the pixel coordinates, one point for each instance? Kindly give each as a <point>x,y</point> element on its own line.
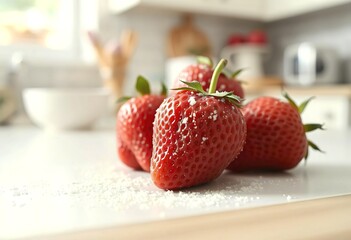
<point>126,156</point>
<point>202,72</point>
<point>276,138</point>
<point>196,136</point>
<point>134,126</point>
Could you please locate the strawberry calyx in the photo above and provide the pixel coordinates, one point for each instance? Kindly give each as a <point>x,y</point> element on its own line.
<point>204,60</point>
<point>142,86</point>
<point>236,73</point>
<point>164,90</point>
<point>308,127</point>
<point>208,61</point>
<point>195,86</point>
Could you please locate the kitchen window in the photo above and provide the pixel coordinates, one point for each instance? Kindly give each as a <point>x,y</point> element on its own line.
<point>45,30</point>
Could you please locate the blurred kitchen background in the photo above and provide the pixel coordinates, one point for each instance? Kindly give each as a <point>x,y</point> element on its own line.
<point>303,45</point>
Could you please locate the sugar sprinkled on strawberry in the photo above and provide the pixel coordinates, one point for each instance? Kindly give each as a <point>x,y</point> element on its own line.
<point>196,150</point>
<point>192,101</point>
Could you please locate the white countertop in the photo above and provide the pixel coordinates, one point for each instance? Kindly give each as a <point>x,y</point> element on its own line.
<point>68,181</point>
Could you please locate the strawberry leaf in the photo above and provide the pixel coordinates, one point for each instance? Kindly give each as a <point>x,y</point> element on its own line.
<point>164,89</point>
<point>194,86</point>
<point>226,95</point>
<point>290,100</point>
<point>236,73</point>
<point>123,99</point>
<point>197,87</point>
<point>312,126</point>
<point>314,146</point>
<point>304,104</point>
<point>230,96</point>
<point>142,85</point>
<point>204,60</point>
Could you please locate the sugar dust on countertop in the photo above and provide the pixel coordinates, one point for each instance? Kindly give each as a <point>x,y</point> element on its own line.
<point>122,191</point>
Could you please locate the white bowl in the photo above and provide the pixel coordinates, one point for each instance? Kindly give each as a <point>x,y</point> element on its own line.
<point>65,109</point>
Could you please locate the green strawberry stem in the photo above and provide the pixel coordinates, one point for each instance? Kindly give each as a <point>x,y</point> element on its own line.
<point>217,71</point>
<point>195,86</point>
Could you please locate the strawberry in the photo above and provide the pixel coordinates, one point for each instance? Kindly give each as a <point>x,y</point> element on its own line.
<point>202,72</point>
<point>276,137</point>
<point>126,155</point>
<point>134,127</point>
<point>196,135</point>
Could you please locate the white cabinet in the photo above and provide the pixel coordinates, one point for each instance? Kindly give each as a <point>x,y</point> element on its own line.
<point>251,9</point>
<point>277,9</point>
<point>262,10</point>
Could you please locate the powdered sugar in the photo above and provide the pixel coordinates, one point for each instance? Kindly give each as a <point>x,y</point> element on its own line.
<point>122,191</point>
<point>213,115</point>
<point>100,196</point>
<point>192,101</point>
<point>185,120</point>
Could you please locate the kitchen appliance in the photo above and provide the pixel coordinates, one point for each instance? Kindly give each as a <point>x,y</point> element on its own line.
<point>307,64</point>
